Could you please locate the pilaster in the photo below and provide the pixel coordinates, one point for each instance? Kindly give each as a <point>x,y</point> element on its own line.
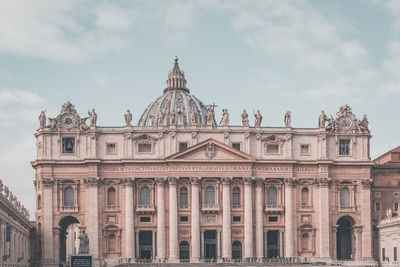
<point>248,218</point>
<point>226,218</point>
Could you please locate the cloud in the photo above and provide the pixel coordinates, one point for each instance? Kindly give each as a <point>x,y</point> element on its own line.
<point>101,79</point>
<point>19,97</point>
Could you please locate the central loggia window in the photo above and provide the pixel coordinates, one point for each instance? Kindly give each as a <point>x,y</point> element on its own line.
<point>210,195</point>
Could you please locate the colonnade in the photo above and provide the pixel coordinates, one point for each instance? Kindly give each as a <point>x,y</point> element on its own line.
<point>14,246</point>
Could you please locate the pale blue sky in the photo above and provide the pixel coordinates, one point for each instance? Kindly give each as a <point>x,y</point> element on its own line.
<point>269,55</point>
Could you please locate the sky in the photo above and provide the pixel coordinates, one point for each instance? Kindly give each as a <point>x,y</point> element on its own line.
<point>298,55</point>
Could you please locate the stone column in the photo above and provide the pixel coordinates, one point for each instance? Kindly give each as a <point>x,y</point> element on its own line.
<point>173,221</point>
<point>248,218</point>
<point>289,218</point>
<point>160,218</point>
<point>48,243</point>
<point>129,225</point>
<point>366,235</point>
<point>92,218</point>
<point>259,218</point>
<point>195,212</point>
<point>324,214</point>
<point>226,218</point>
<point>56,234</point>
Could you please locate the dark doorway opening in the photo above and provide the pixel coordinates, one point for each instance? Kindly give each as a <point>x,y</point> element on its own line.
<point>236,250</point>
<point>145,244</point>
<point>273,244</point>
<point>64,224</point>
<point>343,238</point>
<point>184,250</point>
<point>210,244</point>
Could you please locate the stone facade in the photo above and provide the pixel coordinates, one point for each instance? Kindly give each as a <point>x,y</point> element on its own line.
<point>178,186</point>
<point>16,231</point>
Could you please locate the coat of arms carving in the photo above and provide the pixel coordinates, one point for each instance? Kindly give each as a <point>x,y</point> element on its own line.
<point>210,150</point>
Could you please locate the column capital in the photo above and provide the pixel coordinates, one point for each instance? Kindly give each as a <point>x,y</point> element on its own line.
<point>48,182</point>
<point>92,181</point>
<point>226,180</point>
<point>195,180</point>
<point>260,181</point>
<point>160,181</point>
<point>291,181</point>
<point>128,181</point>
<point>367,183</point>
<point>56,229</point>
<point>323,182</point>
<point>248,180</point>
<point>172,180</point>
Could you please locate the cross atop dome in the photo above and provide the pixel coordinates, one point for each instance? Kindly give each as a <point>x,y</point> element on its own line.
<point>176,78</point>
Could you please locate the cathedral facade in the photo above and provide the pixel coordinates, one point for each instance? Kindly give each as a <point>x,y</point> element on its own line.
<point>179,187</point>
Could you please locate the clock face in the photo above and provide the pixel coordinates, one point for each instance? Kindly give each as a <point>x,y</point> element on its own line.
<point>344,123</point>
<point>68,121</point>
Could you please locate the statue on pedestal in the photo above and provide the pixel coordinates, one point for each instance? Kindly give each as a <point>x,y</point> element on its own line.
<point>83,242</point>
<point>93,117</point>
<point>258,116</point>
<point>225,117</point>
<point>42,120</point>
<point>245,118</point>
<point>193,116</point>
<point>210,116</point>
<point>322,119</point>
<point>128,117</point>
<point>288,119</point>
<point>172,118</point>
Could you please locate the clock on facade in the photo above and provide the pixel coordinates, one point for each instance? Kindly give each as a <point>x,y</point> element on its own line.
<point>68,121</point>
<point>344,123</point>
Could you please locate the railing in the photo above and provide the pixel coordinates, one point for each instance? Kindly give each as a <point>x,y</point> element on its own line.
<point>184,206</point>
<point>69,208</point>
<point>269,208</point>
<point>305,207</point>
<point>347,208</point>
<point>112,207</point>
<point>236,206</point>
<point>210,207</point>
<point>145,208</point>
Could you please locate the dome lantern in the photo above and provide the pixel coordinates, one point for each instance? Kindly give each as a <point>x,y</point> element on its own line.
<point>176,78</point>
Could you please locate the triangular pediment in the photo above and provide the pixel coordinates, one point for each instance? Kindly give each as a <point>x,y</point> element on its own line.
<point>211,150</point>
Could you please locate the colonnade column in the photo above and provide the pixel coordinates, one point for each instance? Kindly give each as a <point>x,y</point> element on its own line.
<point>248,218</point>
<point>366,235</point>
<point>160,218</point>
<point>226,218</point>
<point>324,222</point>
<point>173,220</point>
<point>289,218</point>
<point>48,245</point>
<point>129,225</point>
<point>259,218</point>
<point>195,220</point>
<point>92,219</point>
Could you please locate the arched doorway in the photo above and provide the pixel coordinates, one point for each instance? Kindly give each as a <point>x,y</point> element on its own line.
<point>344,240</point>
<point>68,235</point>
<point>236,250</point>
<point>184,250</point>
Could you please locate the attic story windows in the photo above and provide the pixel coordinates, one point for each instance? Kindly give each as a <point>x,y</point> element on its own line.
<point>68,145</point>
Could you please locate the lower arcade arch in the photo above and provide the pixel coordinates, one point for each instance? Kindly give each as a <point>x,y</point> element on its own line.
<point>184,250</point>
<point>236,250</point>
<point>344,238</point>
<point>69,232</point>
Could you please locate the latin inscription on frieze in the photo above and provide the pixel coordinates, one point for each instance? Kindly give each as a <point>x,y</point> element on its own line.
<point>175,168</point>
<point>210,218</point>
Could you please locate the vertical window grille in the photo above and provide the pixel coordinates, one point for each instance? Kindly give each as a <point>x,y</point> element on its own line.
<point>111,197</point>
<point>272,194</point>
<point>183,197</point>
<point>236,197</point>
<point>344,147</point>
<point>210,195</point>
<point>345,197</point>
<point>145,196</point>
<point>69,197</point>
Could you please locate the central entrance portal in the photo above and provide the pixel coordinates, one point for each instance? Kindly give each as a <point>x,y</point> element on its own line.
<point>210,244</point>
<point>343,238</point>
<point>273,244</point>
<point>145,244</point>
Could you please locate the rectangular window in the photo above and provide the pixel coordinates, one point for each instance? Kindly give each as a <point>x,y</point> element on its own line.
<point>377,194</point>
<point>144,148</point>
<point>395,254</point>
<point>383,254</point>
<point>377,206</point>
<point>182,146</point>
<point>144,219</point>
<point>184,218</point>
<point>304,150</point>
<point>272,218</point>
<point>111,148</point>
<point>396,194</point>
<point>236,146</point>
<point>344,147</point>
<point>68,145</point>
<point>236,218</point>
<point>396,206</point>
<point>395,182</point>
<point>272,149</point>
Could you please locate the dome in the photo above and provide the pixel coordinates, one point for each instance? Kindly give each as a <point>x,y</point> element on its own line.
<point>176,106</point>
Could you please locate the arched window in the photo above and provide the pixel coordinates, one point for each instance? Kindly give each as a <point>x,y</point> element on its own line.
<point>210,195</point>
<point>345,197</point>
<point>183,197</point>
<point>112,242</point>
<point>272,196</point>
<point>305,241</point>
<point>236,250</point>
<point>69,197</point>
<point>236,196</point>
<point>184,250</point>
<point>145,196</point>
<point>111,197</point>
<point>39,202</point>
<point>304,196</point>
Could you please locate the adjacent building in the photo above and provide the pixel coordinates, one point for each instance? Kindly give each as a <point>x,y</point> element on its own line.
<point>180,187</point>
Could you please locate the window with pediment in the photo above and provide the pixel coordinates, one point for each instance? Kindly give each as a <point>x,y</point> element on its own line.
<point>111,196</point>
<point>210,195</point>
<point>145,196</point>
<point>183,197</point>
<point>69,197</point>
<point>272,196</point>
<point>236,197</point>
<point>345,197</point>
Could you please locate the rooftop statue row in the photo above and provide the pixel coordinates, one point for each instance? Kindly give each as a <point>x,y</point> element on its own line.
<point>8,195</point>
